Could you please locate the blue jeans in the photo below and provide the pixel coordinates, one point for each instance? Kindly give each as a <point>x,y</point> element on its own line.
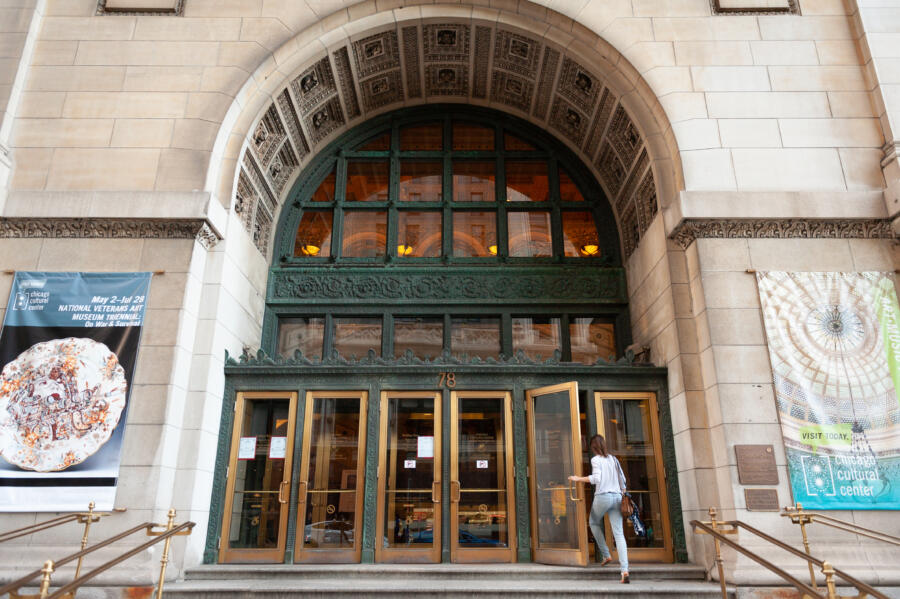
<point>609,503</point>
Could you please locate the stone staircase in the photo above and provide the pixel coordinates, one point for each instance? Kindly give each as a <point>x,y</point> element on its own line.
<point>450,581</point>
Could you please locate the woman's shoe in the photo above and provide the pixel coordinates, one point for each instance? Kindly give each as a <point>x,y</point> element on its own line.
<point>605,561</point>
<point>625,579</point>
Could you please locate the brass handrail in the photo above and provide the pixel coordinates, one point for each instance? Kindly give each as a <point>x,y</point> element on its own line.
<point>170,529</point>
<point>85,518</point>
<point>712,528</point>
<point>798,516</point>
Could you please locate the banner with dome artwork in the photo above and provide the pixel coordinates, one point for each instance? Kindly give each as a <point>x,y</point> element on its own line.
<point>834,344</point>
<point>68,350</point>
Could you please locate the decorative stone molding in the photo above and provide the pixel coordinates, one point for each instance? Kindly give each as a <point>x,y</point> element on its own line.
<point>753,7</point>
<point>788,228</point>
<point>170,8</point>
<point>109,228</point>
<point>509,69</point>
<point>891,152</point>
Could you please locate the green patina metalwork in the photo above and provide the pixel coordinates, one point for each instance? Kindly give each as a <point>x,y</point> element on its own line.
<point>500,285</point>
<point>373,374</point>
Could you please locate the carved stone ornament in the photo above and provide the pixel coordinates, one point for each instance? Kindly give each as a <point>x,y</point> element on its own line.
<point>786,228</point>
<point>457,61</point>
<point>262,359</point>
<point>109,228</point>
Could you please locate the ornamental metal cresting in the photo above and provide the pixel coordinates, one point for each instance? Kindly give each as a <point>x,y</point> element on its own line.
<point>834,344</point>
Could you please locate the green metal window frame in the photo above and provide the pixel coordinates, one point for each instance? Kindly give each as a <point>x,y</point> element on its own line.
<point>547,151</point>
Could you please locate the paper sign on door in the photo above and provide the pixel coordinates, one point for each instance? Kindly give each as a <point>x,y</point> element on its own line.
<point>277,448</point>
<point>247,448</point>
<point>481,464</point>
<point>409,464</point>
<point>425,447</point>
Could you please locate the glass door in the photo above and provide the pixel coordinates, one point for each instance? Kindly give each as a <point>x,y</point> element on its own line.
<point>482,513</point>
<point>258,486</point>
<point>630,424</point>
<point>558,524</point>
<point>409,478</point>
<point>329,494</point>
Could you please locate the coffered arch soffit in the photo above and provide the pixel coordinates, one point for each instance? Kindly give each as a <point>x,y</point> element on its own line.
<point>576,87</point>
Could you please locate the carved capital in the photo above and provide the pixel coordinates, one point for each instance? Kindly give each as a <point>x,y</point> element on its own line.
<point>891,152</point>
<point>109,228</point>
<point>775,228</point>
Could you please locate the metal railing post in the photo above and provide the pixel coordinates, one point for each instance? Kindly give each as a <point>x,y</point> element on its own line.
<point>165,554</point>
<point>719,562</point>
<point>804,519</point>
<point>88,519</point>
<point>828,571</point>
<point>46,571</point>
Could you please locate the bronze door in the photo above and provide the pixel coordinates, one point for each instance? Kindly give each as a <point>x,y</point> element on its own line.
<point>329,494</point>
<point>258,485</point>
<point>629,422</point>
<point>482,502</point>
<point>558,523</point>
<point>409,478</point>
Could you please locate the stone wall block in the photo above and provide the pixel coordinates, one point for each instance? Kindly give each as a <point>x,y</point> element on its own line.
<point>791,169</point>
<point>801,255</point>
<point>756,105</point>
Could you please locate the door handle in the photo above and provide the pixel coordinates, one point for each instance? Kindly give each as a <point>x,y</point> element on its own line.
<point>454,491</point>
<point>301,495</point>
<point>436,486</point>
<point>285,484</point>
<point>573,492</point>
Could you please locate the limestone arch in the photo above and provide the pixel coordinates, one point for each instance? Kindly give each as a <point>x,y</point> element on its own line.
<point>339,73</point>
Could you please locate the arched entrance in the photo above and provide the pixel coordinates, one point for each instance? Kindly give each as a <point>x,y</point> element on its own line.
<point>447,305</point>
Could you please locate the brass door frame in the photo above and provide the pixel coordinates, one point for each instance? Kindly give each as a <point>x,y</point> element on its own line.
<point>331,556</point>
<point>275,555</point>
<point>393,554</point>
<point>482,555</point>
<point>642,554</point>
<point>570,557</point>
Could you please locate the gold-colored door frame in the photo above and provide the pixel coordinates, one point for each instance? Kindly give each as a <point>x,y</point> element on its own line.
<point>331,556</point>
<point>487,554</point>
<point>574,556</point>
<point>276,554</point>
<point>642,554</point>
<point>393,554</point>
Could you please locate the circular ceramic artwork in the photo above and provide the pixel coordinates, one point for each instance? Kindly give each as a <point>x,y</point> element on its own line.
<point>60,401</point>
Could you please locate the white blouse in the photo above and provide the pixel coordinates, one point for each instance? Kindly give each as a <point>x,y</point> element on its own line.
<point>606,475</point>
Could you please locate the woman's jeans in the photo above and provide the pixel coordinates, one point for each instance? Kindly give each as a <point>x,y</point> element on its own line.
<point>609,503</point>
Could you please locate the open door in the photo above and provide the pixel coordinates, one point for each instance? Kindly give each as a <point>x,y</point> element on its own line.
<point>558,523</point>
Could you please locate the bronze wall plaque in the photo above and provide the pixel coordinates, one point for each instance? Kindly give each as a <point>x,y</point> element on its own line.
<point>761,500</point>
<point>756,464</point>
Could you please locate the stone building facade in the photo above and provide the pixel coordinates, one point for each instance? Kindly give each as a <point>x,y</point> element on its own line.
<point>169,136</point>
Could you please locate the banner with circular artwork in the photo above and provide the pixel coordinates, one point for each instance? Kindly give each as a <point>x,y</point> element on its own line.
<point>68,349</point>
<point>834,344</point>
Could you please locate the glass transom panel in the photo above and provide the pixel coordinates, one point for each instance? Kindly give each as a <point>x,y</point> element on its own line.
<point>500,194</point>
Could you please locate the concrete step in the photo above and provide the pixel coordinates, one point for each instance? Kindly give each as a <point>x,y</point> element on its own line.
<point>448,581</point>
<point>688,572</point>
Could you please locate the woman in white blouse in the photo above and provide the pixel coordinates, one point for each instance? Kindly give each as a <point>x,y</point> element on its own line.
<point>609,484</point>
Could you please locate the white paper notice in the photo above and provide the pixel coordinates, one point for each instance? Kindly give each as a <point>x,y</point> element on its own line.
<point>425,447</point>
<point>247,448</point>
<point>481,464</point>
<point>409,464</point>
<point>277,448</point>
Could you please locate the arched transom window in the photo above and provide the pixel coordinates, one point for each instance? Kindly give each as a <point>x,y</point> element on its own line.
<point>451,189</point>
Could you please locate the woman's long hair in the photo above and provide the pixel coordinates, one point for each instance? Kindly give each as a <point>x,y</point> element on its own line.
<point>598,445</point>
